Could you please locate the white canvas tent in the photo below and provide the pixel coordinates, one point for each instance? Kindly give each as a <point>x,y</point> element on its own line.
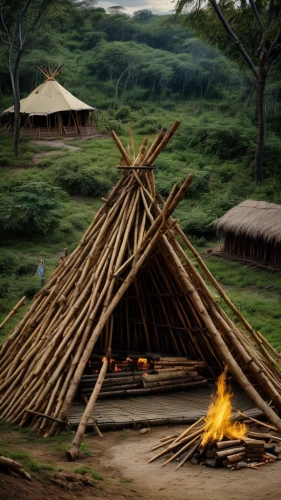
<point>50,109</point>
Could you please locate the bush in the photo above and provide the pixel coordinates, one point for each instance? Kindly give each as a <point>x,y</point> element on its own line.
<point>31,286</point>
<point>78,177</point>
<point>4,305</point>
<point>8,262</point>
<point>4,287</point>
<point>196,221</point>
<point>29,208</point>
<point>78,222</point>
<point>148,125</point>
<point>227,138</point>
<point>122,113</point>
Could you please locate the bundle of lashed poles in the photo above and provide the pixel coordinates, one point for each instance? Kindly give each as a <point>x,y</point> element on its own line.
<point>44,357</point>
<point>132,244</point>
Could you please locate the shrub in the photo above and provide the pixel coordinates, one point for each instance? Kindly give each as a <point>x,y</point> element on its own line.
<point>227,138</point>
<point>78,177</point>
<point>196,221</point>
<point>8,262</point>
<point>4,287</point>
<point>148,125</point>
<point>4,304</point>
<point>31,286</point>
<point>122,113</point>
<point>78,222</point>
<point>29,208</point>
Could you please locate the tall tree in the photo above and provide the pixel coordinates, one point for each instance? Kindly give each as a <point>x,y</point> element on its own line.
<point>253,31</point>
<point>19,19</point>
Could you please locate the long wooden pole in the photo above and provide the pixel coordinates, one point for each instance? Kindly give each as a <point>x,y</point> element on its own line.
<point>13,311</point>
<point>73,453</point>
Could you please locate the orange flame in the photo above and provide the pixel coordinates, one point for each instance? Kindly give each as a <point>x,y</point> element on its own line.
<point>218,423</point>
<point>142,361</point>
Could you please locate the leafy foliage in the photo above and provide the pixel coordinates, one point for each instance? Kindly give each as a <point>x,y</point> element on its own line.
<point>79,177</point>
<point>29,209</point>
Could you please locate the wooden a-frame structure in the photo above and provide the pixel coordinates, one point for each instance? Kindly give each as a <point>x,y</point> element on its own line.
<point>131,262</point>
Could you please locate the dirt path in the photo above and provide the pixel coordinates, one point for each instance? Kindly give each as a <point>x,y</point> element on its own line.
<point>191,482</point>
<point>55,144</point>
<point>121,458</point>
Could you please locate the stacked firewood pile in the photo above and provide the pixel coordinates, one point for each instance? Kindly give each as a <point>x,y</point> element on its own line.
<point>255,449</point>
<point>175,373</point>
<point>114,384</point>
<point>169,374</point>
<point>172,364</point>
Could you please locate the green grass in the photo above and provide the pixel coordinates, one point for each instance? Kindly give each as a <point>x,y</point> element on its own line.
<point>30,464</point>
<point>88,470</point>
<point>247,290</point>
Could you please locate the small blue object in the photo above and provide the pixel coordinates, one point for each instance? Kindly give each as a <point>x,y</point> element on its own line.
<point>269,286</point>
<point>40,270</point>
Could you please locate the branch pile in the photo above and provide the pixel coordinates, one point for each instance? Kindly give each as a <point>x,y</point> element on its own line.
<point>258,448</point>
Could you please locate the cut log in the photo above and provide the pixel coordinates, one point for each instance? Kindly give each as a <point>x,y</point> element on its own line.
<point>174,382</point>
<point>113,388</point>
<point>168,376</point>
<point>170,359</point>
<point>153,390</point>
<point>228,444</point>
<point>229,451</point>
<point>263,436</point>
<point>236,457</point>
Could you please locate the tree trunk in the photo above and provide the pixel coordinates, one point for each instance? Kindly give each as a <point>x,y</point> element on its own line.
<point>261,117</point>
<point>17,106</point>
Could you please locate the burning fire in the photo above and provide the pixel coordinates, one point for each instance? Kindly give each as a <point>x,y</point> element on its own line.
<point>143,364</point>
<point>142,361</point>
<point>218,420</point>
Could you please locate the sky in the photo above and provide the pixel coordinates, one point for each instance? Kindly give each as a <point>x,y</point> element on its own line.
<point>156,6</point>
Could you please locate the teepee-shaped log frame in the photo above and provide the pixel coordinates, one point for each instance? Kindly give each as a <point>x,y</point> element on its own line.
<point>130,263</point>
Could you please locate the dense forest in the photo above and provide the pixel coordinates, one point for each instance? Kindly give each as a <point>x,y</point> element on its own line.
<point>147,71</point>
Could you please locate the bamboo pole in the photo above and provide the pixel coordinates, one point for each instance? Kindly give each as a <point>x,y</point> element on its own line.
<point>73,453</point>
<point>223,349</point>
<point>147,244</point>
<point>163,143</point>
<point>13,311</point>
<point>257,336</point>
<point>121,148</point>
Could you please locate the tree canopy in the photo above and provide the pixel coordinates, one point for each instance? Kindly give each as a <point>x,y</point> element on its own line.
<point>249,32</point>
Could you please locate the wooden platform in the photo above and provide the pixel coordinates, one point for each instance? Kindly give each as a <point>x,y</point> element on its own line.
<point>163,409</point>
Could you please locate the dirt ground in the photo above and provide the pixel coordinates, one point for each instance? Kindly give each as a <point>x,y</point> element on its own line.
<point>121,458</point>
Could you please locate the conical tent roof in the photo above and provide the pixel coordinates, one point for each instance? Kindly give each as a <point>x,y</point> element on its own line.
<point>130,262</point>
<point>50,97</point>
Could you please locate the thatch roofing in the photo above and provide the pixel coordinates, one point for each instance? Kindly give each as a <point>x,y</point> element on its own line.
<point>255,219</point>
<point>50,97</point>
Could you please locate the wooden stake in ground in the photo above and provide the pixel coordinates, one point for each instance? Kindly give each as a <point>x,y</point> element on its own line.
<point>73,452</point>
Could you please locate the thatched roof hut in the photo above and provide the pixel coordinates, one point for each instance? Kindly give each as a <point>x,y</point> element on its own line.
<point>253,230</point>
